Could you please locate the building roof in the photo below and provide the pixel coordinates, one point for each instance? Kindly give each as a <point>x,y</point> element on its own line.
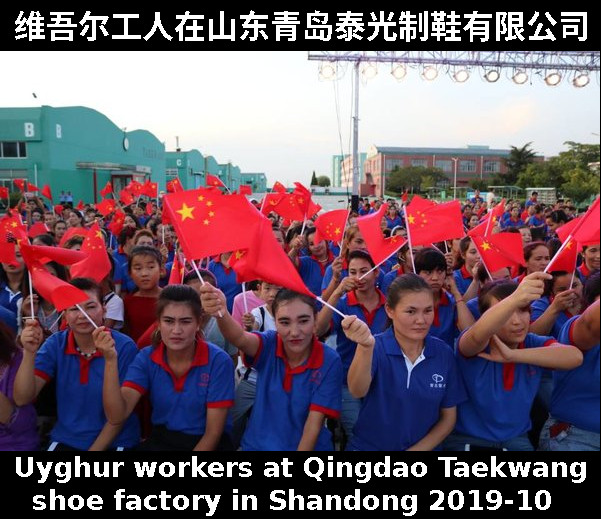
<point>470,150</point>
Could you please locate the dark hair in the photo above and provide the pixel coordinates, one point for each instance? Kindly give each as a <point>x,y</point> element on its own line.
<point>7,344</point>
<point>144,250</point>
<point>143,232</point>
<point>591,288</point>
<point>406,283</point>
<point>429,259</point>
<point>206,275</point>
<point>498,290</point>
<point>292,233</point>
<point>549,283</point>
<point>74,240</point>
<point>554,244</point>
<point>46,239</point>
<point>513,230</point>
<point>89,285</point>
<point>464,245</point>
<point>558,216</point>
<point>361,254</point>
<point>534,193</point>
<point>285,295</point>
<point>179,294</point>
<point>309,231</point>
<point>530,247</point>
<point>125,234</point>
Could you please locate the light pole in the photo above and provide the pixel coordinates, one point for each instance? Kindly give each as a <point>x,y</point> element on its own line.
<point>454,159</point>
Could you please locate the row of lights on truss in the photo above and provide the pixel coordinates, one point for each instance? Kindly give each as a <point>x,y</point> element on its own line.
<point>369,70</point>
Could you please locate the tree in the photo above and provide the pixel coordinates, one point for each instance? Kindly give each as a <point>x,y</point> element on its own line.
<point>314,179</point>
<point>413,179</point>
<point>323,181</point>
<point>580,184</point>
<point>516,163</point>
<point>479,184</point>
<point>542,174</point>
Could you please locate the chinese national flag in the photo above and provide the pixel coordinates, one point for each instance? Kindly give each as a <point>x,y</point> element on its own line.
<point>245,190</point>
<point>176,275</point>
<point>106,206</point>
<point>107,189</point>
<point>304,201</point>
<point>4,192</point>
<point>97,264</point>
<point>62,294</point>
<point>46,192</point>
<point>208,223</point>
<point>379,247</point>
<point>36,229</point>
<point>330,226</point>
<point>565,259</point>
<point>149,209</point>
<point>585,230</point>
<point>214,181</point>
<point>150,189</point>
<point>70,232</point>
<point>266,260</point>
<point>429,224</point>
<point>270,201</point>
<point>80,206</point>
<point>135,188</point>
<point>278,187</point>
<point>11,232</point>
<point>500,250</point>
<point>58,209</point>
<point>487,225</point>
<point>125,197</point>
<point>32,187</point>
<point>295,206</point>
<point>20,183</point>
<point>174,186</point>
<point>116,225</point>
<point>43,254</point>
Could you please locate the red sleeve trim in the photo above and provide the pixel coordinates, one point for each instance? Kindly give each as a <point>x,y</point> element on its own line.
<point>571,331</point>
<point>136,387</point>
<point>220,404</point>
<point>42,375</point>
<point>331,413</point>
<point>550,342</point>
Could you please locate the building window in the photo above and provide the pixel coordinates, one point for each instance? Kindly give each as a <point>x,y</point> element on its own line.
<point>445,165</point>
<point>492,166</point>
<point>392,164</point>
<point>171,172</point>
<point>467,166</point>
<point>13,150</point>
<point>419,163</point>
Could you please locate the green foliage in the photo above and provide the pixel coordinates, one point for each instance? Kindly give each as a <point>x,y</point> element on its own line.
<point>580,184</point>
<point>313,179</point>
<point>479,184</point>
<point>414,179</point>
<point>323,181</point>
<point>542,174</point>
<point>516,163</point>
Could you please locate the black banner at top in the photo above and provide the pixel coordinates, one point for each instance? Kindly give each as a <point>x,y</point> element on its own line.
<point>376,28</point>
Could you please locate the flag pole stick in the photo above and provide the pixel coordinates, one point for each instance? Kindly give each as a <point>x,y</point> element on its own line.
<point>202,282</point>
<point>409,237</point>
<point>244,297</point>
<point>563,246</point>
<point>86,316</point>
<point>383,261</point>
<point>333,308</point>
<point>31,295</point>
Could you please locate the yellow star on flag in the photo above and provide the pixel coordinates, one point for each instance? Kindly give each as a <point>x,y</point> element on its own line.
<point>186,212</point>
<point>239,254</point>
<point>337,231</point>
<point>411,219</point>
<point>209,203</point>
<point>99,234</point>
<point>201,198</point>
<point>485,245</point>
<point>569,245</point>
<point>206,222</point>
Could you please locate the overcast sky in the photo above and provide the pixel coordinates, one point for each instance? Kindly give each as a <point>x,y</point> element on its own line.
<point>270,112</point>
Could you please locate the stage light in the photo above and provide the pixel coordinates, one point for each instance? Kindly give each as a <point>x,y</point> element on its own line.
<point>520,77</point>
<point>461,75</point>
<point>581,80</point>
<point>399,71</point>
<point>430,73</point>
<point>553,78</point>
<point>492,76</point>
<point>327,71</point>
<point>369,70</point>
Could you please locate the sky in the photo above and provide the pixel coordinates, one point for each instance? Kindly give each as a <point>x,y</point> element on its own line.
<point>270,112</point>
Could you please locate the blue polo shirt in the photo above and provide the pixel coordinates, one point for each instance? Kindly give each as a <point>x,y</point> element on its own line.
<point>79,389</point>
<point>8,318</point>
<point>444,326</point>
<point>312,271</point>
<point>226,282</point>
<point>499,395</point>
<point>401,406</point>
<point>8,298</point>
<point>538,308</point>
<point>285,395</point>
<point>463,279</point>
<point>180,404</point>
<point>575,398</point>
<point>377,320</point>
<point>473,307</point>
<point>389,278</point>
<point>391,223</point>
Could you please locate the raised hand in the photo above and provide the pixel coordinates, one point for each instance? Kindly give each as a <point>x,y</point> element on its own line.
<point>357,331</point>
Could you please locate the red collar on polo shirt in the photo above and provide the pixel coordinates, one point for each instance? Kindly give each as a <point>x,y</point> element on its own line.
<point>314,361</point>
<point>444,301</point>
<point>351,299</point>
<point>400,271</point>
<point>466,274</point>
<point>201,358</point>
<point>584,270</point>
<point>509,372</point>
<point>322,266</point>
<point>84,362</point>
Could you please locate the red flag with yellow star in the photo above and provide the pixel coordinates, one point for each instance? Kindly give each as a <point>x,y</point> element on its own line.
<point>150,189</point>
<point>266,260</point>
<point>106,206</point>
<point>174,186</point>
<point>431,223</point>
<point>61,294</point>
<point>20,183</point>
<point>176,276</point>
<point>565,259</point>
<point>500,250</point>
<point>270,201</point>
<point>379,247</point>
<point>116,225</point>
<point>584,229</point>
<point>278,187</point>
<point>214,181</point>
<point>125,197</point>
<point>330,225</point>
<point>97,264</point>
<point>12,231</point>
<point>107,189</point>
<point>486,225</point>
<point>209,223</point>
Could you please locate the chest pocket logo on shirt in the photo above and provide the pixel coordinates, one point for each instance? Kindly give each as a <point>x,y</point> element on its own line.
<point>204,380</point>
<point>315,377</point>
<point>437,381</point>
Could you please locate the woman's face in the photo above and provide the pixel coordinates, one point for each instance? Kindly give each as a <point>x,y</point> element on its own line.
<point>471,256</point>
<point>526,235</point>
<point>592,257</point>
<point>413,315</point>
<point>295,323</point>
<point>145,240</point>
<point>562,283</point>
<point>318,250</point>
<point>74,220</point>
<point>129,222</point>
<point>539,259</point>
<point>78,322</point>
<point>359,267</point>
<point>514,330</point>
<point>474,221</point>
<point>178,326</point>
<point>356,242</point>
<point>59,230</point>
